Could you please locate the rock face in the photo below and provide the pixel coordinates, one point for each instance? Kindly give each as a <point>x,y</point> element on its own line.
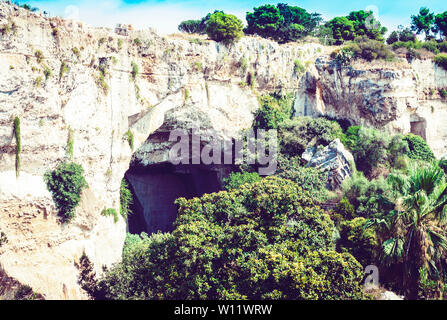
<point>64,78</point>
<point>399,98</point>
<point>334,159</point>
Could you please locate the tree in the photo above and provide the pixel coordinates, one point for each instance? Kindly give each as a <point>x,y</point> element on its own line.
<point>342,29</point>
<point>264,21</point>
<point>441,23</point>
<point>196,26</point>
<point>356,24</point>
<point>190,26</point>
<point>417,225</point>
<point>423,22</point>
<point>225,28</point>
<point>265,240</point>
<point>403,35</point>
<point>282,23</point>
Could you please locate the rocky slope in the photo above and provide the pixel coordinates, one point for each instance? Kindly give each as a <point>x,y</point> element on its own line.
<point>182,82</point>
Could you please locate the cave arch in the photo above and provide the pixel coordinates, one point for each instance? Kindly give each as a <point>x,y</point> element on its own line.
<point>156,183</point>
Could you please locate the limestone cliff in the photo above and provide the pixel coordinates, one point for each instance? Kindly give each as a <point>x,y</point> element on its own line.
<point>63,77</point>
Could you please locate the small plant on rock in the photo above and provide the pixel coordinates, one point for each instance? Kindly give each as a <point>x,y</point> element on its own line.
<point>66,183</point>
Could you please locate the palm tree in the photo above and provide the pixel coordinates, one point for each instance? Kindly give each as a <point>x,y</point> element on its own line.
<point>419,239</point>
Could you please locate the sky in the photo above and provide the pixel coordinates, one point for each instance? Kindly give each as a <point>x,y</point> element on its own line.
<point>165,15</point>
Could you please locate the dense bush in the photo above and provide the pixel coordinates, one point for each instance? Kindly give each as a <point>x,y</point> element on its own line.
<point>237,179</point>
<point>359,241</point>
<point>309,179</point>
<point>272,112</point>
<point>418,148</point>
<point>370,50</point>
<point>299,133</point>
<point>441,60</point>
<point>262,241</point>
<point>372,148</point>
<point>225,28</point>
<point>368,197</point>
<point>66,183</point>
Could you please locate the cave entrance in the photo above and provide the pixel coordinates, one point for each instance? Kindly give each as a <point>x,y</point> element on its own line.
<point>156,187</point>
<point>418,126</point>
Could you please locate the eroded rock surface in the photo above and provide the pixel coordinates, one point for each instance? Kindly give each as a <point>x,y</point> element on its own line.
<point>180,83</point>
<point>334,159</point>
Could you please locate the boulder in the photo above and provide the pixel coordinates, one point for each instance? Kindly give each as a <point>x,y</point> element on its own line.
<point>334,159</point>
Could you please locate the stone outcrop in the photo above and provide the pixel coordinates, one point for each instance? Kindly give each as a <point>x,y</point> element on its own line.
<point>65,78</point>
<point>334,159</point>
<point>398,97</point>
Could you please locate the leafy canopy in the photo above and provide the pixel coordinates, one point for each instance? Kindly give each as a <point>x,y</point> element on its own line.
<point>265,240</point>
<point>282,22</point>
<point>356,24</point>
<point>225,28</point>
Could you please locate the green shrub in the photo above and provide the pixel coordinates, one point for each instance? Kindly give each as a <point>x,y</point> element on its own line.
<point>441,60</point>
<point>360,242</point>
<point>39,56</point>
<point>120,44</point>
<point>18,137</point>
<point>101,80</point>
<point>372,148</point>
<point>63,70</point>
<point>271,113</point>
<point>237,179</point>
<point>443,93</point>
<point>309,179</point>
<point>298,67</point>
<point>38,82</point>
<point>225,28</point>
<point>87,275</point>
<point>343,56</point>
<point>110,212</point>
<point>367,197</point>
<point>197,41</point>
<point>300,133</point>
<point>47,72</point>
<point>126,199</point>
<point>261,241</point>
<point>135,71</point>
<point>76,52</point>
<point>243,64</point>
<point>345,209</point>
<point>66,183</point>
<point>370,50</point>
<point>70,143</point>
<point>418,148</point>
<point>137,42</point>
<point>130,139</point>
